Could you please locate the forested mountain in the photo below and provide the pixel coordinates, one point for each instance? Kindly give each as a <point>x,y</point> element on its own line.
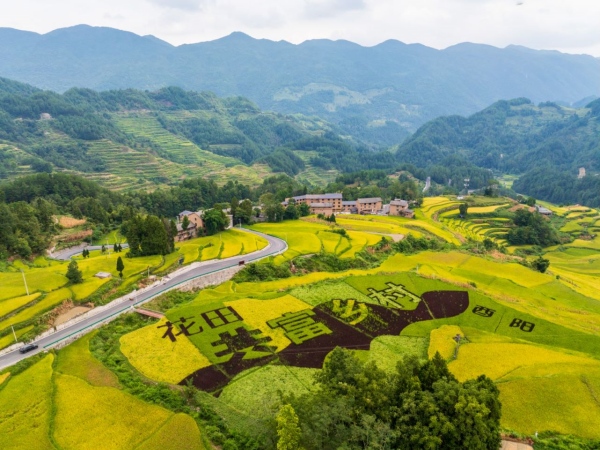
<point>130,139</point>
<point>377,94</point>
<point>547,144</point>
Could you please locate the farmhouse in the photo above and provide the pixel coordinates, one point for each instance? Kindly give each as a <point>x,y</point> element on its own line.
<point>195,223</point>
<point>400,208</point>
<point>369,205</point>
<point>350,207</point>
<point>334,199</point>
<point>322,208</point>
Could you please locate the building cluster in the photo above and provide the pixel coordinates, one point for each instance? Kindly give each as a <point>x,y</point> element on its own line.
<point>328,204</point>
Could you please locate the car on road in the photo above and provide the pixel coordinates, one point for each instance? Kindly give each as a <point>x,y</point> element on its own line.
<point>28,348</point>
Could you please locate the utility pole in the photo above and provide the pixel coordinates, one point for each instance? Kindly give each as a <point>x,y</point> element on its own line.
<point>25,282</point>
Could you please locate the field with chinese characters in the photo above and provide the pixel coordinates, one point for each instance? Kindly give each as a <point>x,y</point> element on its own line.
<point>242,344</point>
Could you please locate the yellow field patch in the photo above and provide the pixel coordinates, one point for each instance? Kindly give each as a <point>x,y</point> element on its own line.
<point>160,359</point>
<point>52,299</point>
<point>25,406</point>
<point>256,313</point>
<point>499,360</point>
<point>179,433</point>
<point>560,403</point>
<point>4,377</point>
<point>8,306</point>
<point>77,360</point>
<point>90,418</point>
<point>442,340</point>
<point>9,339</point>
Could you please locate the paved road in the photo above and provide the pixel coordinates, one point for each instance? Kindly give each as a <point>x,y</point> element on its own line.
<point>67,253</point>
<point>174,280</point>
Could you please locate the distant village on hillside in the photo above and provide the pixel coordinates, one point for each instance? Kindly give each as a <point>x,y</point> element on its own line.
<point>328,204</point>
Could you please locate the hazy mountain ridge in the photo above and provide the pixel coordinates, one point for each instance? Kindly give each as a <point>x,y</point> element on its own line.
<point>392,85</point>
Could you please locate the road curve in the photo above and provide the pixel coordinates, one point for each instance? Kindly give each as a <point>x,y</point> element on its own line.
<point>174,280</point>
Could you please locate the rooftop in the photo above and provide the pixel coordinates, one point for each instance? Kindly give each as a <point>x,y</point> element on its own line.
<point>321,205</point>
<point>318,196</point>
<point>369,200</point>
<point>398,202</point>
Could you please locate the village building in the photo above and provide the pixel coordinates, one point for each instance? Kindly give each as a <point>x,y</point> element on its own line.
<point>400,208</point>
<point>350,207</point>
<point>334,199</point>
<point>195,224</point>
<point>322,208</point>
<point>369,205</point>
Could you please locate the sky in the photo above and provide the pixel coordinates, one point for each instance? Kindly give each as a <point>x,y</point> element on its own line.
<point>570,26</point>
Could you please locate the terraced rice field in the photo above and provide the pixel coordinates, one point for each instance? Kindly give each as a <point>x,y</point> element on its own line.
<point>48,285</point>
<point>78,406</point>
<point>520,327</point>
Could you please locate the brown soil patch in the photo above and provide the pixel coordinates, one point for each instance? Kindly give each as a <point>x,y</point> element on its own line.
<point>71,314</point>
<point>70,222</point>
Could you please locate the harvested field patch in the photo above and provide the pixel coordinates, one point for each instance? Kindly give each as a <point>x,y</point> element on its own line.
<point>70,222</point>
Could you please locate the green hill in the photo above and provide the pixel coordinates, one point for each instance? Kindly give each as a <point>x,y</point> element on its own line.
<point>546,144</point>
<point>131,139</point>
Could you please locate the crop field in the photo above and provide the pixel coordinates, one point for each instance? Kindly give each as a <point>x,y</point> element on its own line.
<point>536,335</point>
<point>180,151</point>
<point>75,403</point>
<point>48,285</point>
<point>518,326</point>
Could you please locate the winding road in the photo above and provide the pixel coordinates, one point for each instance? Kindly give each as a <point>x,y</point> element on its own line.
<point>173,281</point>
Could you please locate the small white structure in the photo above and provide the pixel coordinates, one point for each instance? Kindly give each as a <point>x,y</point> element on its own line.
<point>103,275</point>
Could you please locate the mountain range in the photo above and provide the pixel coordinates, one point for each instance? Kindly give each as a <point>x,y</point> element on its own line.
<point>378,94</point>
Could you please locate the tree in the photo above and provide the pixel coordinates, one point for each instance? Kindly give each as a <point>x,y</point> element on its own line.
<point>244,212</point>
<point>234,205</point>
<point>119,248</point>
<point>288,431</point>
<point>115,248</point>
<point>185,223</point>
<point>74,275</point>
<point>462,209</point>
<point>530,201</point>
<point>291,212</point>
<point>540,264</point>
<point>304,210</point>
<point>120,266</point>
<point>103,249</point>
<point>215,220</point>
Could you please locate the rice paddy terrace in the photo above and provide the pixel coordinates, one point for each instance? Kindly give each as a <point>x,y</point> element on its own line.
<point>537,335</point>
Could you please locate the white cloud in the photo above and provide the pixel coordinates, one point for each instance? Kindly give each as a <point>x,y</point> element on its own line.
<point>570,26</point>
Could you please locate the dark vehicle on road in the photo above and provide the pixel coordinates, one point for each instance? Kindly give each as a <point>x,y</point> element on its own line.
<point>28,348</point>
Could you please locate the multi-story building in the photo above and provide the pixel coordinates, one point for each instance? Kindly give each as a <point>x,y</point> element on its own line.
<point>322,208</point>
<point>350,207</point>
<point>369,205</point>
<point>334,199</point>
<point>400,208</point>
